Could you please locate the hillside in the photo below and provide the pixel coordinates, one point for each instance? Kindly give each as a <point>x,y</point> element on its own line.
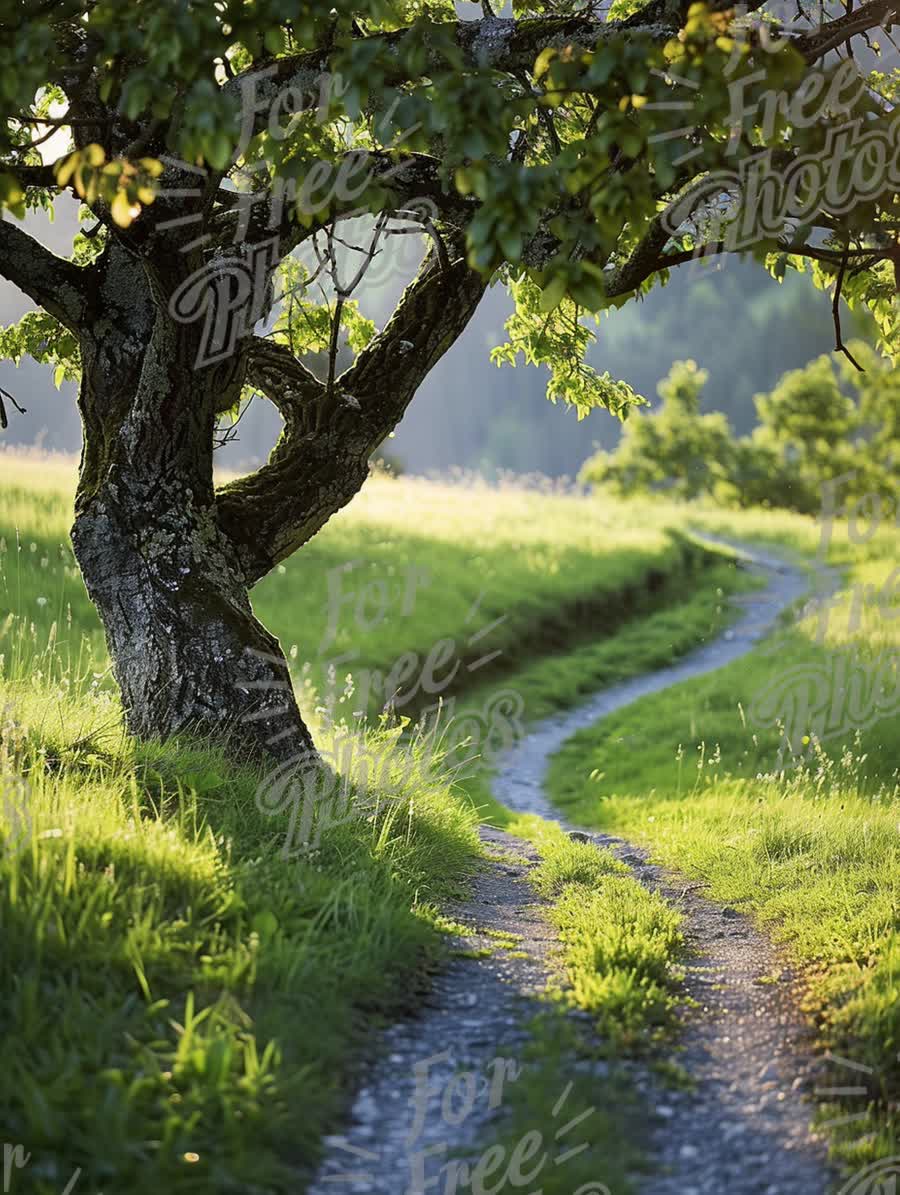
<point>182,967</point>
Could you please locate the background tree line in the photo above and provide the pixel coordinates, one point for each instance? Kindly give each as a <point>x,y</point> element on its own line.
<point>821,422</point>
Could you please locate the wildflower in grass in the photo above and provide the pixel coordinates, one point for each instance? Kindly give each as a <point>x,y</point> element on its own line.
<point>42,601</point>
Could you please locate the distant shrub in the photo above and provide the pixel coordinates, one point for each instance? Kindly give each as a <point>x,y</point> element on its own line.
<point>818,423</point>
<point>677,449</point>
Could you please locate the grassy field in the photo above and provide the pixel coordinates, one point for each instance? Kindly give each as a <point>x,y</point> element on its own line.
<point>503,575</point>
<point>160,951</point>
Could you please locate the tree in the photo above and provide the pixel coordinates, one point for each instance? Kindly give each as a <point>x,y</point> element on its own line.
<point>677,450</point>
<point>816,425</point>
<point>819,425</point>
<point>807,427</point>
<point>214,144</point>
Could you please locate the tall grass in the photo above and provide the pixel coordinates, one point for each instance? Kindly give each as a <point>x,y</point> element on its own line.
<point>499,572</point>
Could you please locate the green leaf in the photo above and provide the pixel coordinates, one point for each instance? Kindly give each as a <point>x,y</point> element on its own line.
<point>265,924</point>
<point>552,294</point>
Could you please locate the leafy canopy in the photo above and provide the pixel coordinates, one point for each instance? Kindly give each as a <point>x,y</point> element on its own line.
<point>576,156</point>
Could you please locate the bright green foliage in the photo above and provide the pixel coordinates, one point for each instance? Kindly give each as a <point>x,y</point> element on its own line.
<point>41,337</point>
<point>805,438</point>
<point>305,326</point>
<point>819,424</point>
<point>677,449</point>
<point>548,331</point>
<point>556,142</point>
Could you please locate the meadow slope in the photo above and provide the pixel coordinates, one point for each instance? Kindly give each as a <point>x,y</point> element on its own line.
<point>165,932</point>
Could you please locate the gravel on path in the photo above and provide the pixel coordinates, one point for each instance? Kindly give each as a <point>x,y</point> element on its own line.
<point>435,1083</point>
<point>744,1129</point>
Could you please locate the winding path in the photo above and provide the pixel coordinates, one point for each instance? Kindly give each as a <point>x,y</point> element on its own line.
<point>742,1129</point>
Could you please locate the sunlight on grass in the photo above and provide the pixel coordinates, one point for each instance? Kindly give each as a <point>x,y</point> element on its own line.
<point>160,949</point>
<point>499,572</point>
<point>808,845</point>
<point>620,943</point>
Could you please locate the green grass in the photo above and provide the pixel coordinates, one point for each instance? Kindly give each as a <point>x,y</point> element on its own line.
<point>621,945</point>
<point>811,851</point>
<point>504,573</point>
<point>699,611</point>
<point>173,987</point>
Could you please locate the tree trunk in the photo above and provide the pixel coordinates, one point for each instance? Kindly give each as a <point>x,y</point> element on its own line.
<point>167,560</point>
<point>187,651</point>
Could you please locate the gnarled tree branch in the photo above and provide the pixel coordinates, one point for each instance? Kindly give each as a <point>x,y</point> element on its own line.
<point>55,284</point>
<point>314,472</point>
<point>819,42</point>
<point>286,382</point>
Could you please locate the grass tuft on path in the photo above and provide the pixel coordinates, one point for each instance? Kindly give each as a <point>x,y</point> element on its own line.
<point>621,946</point>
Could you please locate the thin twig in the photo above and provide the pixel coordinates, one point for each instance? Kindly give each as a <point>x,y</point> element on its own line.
<point>443,255</point>
<point>346,291</point>
<point>335,323</point>
<point>424,221</point>
<point>4,422</point>
<point>839,346</point>
<point>230,433</point>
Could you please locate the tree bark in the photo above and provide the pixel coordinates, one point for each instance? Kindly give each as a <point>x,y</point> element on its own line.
<point>187,651</point>
<point>168,560</point>
<point>320,464</point>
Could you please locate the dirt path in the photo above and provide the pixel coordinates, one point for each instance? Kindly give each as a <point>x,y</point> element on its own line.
<point>743,1129</point>
<point>401,1130</point>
